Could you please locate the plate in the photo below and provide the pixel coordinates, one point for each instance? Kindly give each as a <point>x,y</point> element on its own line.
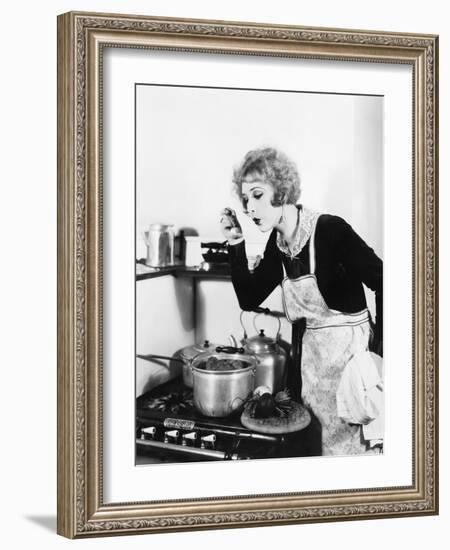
<point>295,421</point>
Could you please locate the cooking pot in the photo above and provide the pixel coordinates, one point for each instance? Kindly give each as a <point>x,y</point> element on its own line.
<point>188,353</point>
<point>271,369</point>
<point>220,393</point>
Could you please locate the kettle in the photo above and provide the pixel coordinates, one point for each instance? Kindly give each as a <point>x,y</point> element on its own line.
<point>271,368</point>
<point>159,239</point>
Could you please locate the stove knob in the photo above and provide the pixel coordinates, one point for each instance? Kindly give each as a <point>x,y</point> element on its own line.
<point>189,439</point>
<point>171,436</point>
<point>148,433</point>
<point>208,441</point>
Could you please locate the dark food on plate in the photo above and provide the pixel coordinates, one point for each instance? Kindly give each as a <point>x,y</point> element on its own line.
<point>266,405</point>
<point>274,414</point>
<point>213,363</point>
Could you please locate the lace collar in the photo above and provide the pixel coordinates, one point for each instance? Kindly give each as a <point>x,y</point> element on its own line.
<point>302,232</point>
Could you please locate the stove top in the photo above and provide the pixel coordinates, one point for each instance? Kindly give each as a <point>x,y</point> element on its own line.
<point>170,429</point>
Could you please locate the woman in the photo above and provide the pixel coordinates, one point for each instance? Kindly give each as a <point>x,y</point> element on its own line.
<point>321,264</point>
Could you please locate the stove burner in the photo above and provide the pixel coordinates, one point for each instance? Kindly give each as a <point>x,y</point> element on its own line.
<point>176,402</point>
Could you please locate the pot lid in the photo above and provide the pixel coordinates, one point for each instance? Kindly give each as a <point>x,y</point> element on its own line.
<point>189,352</point>
<point>261,343</point>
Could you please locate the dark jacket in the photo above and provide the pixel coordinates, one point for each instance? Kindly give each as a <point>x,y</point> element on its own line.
<point>343,263</point>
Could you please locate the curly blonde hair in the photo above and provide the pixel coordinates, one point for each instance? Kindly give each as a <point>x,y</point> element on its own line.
<point>276,169</point>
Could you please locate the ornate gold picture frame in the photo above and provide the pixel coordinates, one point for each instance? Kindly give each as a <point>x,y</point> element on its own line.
<point>83,39</point>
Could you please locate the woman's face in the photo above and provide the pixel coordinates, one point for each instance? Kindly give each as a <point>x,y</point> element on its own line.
<point>257,198</point>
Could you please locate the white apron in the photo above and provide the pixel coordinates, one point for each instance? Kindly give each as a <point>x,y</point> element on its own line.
<point>330,341</point>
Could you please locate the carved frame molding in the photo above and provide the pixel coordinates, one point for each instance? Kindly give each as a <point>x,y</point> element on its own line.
<point>81,37</point>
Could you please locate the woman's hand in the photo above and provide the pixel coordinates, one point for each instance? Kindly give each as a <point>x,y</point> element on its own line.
<point>230,226</point>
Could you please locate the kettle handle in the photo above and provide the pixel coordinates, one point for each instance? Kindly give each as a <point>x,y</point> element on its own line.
<point>242,324</point>
<point>259,311</point>
<point>264,310</point>
<point>256,328</point>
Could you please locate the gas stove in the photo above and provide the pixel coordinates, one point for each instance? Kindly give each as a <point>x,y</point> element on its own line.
<point>170,429</point>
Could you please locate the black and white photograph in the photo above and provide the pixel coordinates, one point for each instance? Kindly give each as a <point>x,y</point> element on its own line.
<point>246,274</point>
<point>223,240</point>
<point>259,274</point>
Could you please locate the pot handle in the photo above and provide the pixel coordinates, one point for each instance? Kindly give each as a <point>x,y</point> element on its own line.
<point>151,356</point>
<point>256,328</point>
<point>229,349</point>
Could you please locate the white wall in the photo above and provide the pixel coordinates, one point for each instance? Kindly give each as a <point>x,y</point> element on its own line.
<point>28,276</point>
<point>189,140</point>
<point>164,325</point>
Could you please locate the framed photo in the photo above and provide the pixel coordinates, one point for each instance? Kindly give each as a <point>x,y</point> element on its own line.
<point>247,274</point>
